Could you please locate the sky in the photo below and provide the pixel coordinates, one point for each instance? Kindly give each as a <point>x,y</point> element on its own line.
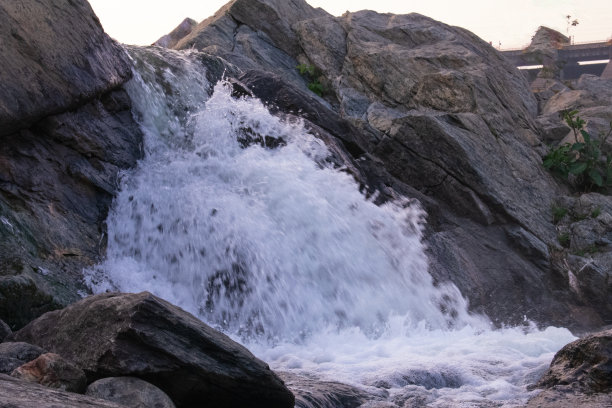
<point>509,23</point>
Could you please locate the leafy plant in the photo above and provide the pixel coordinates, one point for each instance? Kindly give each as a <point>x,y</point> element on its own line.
<point>596,212</point>
<point>312,74</point>
<point>558,213</point>
<point>564,239</point>
<point>583,159</point>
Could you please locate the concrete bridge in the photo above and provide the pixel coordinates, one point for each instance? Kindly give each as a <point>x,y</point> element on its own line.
<point>567,57</point>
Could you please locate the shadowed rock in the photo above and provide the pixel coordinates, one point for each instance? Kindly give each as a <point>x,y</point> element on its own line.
<point>51,370</point>
<point>129,391</point>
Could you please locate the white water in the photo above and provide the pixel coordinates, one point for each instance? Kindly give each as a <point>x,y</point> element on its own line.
<point>284,254</point>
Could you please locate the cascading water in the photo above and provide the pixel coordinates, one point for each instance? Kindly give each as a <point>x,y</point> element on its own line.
<point>235,216</point>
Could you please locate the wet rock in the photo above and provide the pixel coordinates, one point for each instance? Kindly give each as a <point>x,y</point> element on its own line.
<point>130,392</point>
<point>5,330</point>
<point>15,354</point>
<point>144,336</point>
<point>51,370</point>
<point>19,393</point>
<point>567,399</point>
<point>584,365</point>
<point>54,59</point>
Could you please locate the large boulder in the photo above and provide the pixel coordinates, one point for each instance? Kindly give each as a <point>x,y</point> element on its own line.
<point>53,59</point>
<point>19,393</point>
<point>584,365</point>
<point>143,336</point>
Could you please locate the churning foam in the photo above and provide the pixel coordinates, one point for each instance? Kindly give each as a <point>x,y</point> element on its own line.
<point>235,216</point>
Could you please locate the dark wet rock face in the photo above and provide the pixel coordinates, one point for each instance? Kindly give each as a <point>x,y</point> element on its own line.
<point>67,130</point>
<point>144,336</point>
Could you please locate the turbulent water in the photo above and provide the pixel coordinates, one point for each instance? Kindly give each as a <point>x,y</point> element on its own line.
<point>236,216</point>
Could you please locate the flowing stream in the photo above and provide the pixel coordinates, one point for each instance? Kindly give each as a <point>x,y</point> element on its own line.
<point>236,216</point>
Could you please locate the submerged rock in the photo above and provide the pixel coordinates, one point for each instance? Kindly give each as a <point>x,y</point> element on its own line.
<point>144,336</point>
<point>130,392</point>
<point>51,370</point>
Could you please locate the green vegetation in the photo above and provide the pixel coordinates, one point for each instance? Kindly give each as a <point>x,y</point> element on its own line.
<point>564,239</point>
<point>313,75</point>
<point>558,213</point>
<point>592,249</point>
<point>582,162</point>
<point>596,212</point>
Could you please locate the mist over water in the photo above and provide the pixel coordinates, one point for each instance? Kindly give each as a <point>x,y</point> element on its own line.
<point>236,216</point>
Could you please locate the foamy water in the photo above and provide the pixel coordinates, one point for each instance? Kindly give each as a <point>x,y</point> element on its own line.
<point>282,252</point>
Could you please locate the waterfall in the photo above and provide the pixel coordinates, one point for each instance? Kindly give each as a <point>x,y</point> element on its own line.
<point>237,216</point>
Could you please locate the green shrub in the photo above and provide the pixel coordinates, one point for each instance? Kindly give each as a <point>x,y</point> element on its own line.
<point>596,212</point>
<point>558,213</point>
<point>564,239</point>
<point>584,160</point>
<point>313,75</point>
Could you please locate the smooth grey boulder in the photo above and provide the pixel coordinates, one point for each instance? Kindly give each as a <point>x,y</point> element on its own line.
<point>584,365</point>
<point>53,59</point>
<point>17,393</point>
<point>15,354</point>
<point>144,336</point>
<point>129,391</point>
<point>51,370</point>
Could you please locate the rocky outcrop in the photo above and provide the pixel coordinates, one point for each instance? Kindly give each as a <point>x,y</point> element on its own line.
<point>18,393</point>
<point>130,392</point>
<point>429,111</point>
<point>67,130</point>
<point>51,370</point>
<point>143,336</point>
<point>54,59</point>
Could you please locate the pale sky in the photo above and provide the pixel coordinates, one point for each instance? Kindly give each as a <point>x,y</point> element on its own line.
<point>512,22</point>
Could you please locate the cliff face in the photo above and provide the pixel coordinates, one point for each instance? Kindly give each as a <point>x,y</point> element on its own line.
<point>429,111</point>
<point>66,130</point>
